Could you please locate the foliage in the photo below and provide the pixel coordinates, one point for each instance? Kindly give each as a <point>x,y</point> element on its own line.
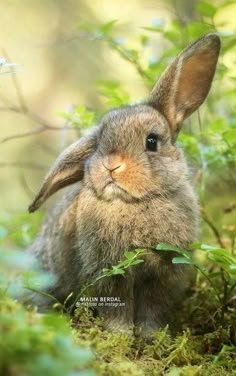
<point>215,145</point>
<point>32,343</point>
<point>219,277</point>
<point>129,259</point>
<point>80,117</point>
<point>19,229</point>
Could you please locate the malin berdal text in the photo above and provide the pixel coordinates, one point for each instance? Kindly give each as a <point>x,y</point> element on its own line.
<point>94,301</point>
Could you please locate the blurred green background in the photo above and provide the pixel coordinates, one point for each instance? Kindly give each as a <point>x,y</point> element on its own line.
<point>63,49</point>
<point>58,69</point>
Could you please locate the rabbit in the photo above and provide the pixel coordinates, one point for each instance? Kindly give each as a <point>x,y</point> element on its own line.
<point>130,189</point>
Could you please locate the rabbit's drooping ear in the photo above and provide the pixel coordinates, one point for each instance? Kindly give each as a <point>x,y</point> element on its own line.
<point>186,82</point>
<point>67,169</point>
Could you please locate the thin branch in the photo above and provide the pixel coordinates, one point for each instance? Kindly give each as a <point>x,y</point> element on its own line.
<point>5,100</point>
<point>23,165</point>
<point>30,115</point>
<point>23,109</point>
<point>37,119</point>
<point>199,120</point>
<point>214,229</point>
<point>47,149</point>
<point>26,134</point>
<point>26,187</point>
<point>126,56</point>
<point>230,208</point>
<point>16,84</point>
<point>45,126</point>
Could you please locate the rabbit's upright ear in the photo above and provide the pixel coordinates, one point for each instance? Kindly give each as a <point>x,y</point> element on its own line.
<point>186,82</point>
<point>67,169</point>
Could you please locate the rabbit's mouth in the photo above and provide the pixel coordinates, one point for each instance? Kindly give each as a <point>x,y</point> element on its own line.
<point>112,191</point>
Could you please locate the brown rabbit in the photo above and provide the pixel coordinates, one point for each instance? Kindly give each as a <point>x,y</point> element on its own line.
<point>131,189</point>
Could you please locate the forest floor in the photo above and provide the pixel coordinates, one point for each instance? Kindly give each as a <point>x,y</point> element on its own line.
<point>203,347</point>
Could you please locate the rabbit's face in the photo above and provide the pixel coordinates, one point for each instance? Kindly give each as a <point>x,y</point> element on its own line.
<point>135,156</point>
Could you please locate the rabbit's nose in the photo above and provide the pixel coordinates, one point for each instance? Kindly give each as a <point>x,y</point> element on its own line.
<point>111,169</point>
<point>114,163</point>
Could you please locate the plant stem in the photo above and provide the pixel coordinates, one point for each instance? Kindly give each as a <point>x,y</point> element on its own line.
<point>213,228</point>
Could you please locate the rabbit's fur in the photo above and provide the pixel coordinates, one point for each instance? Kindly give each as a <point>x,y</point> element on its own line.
<point>127,197</point>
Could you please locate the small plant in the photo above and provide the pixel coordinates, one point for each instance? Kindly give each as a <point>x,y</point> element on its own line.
<point>130,259</point>
<point>30,343</point>
<point>220,272</point>
<point>80,117</point>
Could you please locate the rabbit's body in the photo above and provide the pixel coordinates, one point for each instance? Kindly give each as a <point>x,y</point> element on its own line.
<point>81,242</point>
<point>134,193</point>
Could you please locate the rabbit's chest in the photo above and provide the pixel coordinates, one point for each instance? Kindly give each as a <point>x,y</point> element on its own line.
<point>105,230</point>
<point>115,225</point>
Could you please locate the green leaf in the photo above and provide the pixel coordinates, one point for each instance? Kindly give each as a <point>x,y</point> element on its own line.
<point>214,274</point>
<point>130,254</point>
<point>113,93</point>
<point>167,247</point>
<point>224,350</point>
<point>230,136</point>
<point>181,260</point>
<point>144,40</point>
<point>80,117</point>
<point>135,262</point>
<point>115,270</point>
<point>107,28</point>
<point>205,247</point>
<point>206,9</point>
<point>155,29</point>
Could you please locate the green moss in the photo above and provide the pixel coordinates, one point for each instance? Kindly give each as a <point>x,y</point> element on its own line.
<point>187,354</point>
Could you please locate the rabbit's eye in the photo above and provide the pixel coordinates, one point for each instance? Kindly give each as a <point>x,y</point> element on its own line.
<point>151,142</point>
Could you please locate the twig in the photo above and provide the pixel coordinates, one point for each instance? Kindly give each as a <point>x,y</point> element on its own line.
<point>16,84</point>
<point>43,293</point>
<point>26,134</point>
<point>47,149</point>
<point>5,100</point>
<point>23,165</point>
<point>224,303</point>
<point>214,229</point>
<point>25,186</point>
<point>230,208</point>
<point>126,56</point>
<point>23,109</point>
<point>199,120</point>
<point>45,126</point>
